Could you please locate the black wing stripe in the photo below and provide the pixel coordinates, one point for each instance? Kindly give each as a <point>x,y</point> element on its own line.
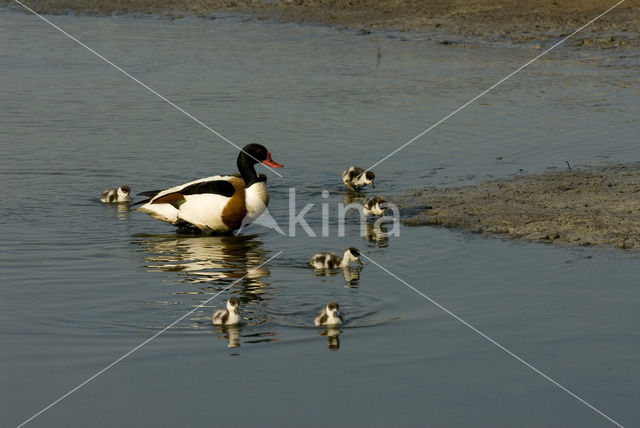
<point>149,193</point>
<point>218,187</point>
<point>142,202</point>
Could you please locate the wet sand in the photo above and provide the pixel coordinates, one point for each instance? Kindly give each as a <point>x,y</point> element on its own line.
<point>539,22</point>
<point>531,21</point>
<point>591,205</point>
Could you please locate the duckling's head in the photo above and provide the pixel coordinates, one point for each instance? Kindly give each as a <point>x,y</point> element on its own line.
<point>352,254</point>
<point>232,305</point>
<point>332,309</point>
<point>123,191</point>
<point>369,176</point>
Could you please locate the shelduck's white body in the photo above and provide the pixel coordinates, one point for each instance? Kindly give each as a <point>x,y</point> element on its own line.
<point>206,211</point>
<point>220,203</point>
<point>257,199</point>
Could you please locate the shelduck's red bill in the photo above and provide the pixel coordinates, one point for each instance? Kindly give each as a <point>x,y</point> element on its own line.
<point>270,162</point>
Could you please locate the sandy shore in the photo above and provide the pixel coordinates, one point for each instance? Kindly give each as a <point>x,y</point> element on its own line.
<point>453,21</point>
<point>583,206</point>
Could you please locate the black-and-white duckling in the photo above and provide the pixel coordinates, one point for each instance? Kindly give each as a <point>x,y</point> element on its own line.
<point>375,205</point>
<point>355,177</point>
<point>116,195</point>
<point>328,260</point>
<point>229,316</point>
<point>329,315</point>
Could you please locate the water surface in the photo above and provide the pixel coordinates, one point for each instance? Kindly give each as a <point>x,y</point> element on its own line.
<point>83,283</point>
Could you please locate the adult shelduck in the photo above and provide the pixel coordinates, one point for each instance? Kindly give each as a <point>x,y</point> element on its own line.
<point>355,177</point>
<point>329,315</point>
<point>216,204</point>
<point>328,260</point>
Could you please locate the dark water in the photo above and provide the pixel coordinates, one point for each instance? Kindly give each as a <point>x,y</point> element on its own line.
<point>84,283</point>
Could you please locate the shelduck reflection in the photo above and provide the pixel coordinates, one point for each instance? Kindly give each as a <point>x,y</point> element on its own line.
<point>206,265</point>
<point>213,260</point>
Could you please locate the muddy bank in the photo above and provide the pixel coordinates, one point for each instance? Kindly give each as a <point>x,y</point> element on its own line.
<point>530,21</point>
<point>168,8</point>
<point>585,206</point>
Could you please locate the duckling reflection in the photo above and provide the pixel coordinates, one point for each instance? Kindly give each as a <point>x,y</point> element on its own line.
<point>333,337</point>
<point>230,333</point>
<point>122,210</point>
<point>377,235</point>
<point>351,274</point>
<point>351,196</point>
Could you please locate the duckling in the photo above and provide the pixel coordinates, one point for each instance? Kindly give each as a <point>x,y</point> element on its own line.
<point>375,205</point>
<point>116,195</point>
<point>229,316</point>
<point>329,315</point>
<point>355,177</point>
<point>328,260</point>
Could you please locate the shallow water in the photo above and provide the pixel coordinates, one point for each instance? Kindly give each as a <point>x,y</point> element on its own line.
<point>84,283</point>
